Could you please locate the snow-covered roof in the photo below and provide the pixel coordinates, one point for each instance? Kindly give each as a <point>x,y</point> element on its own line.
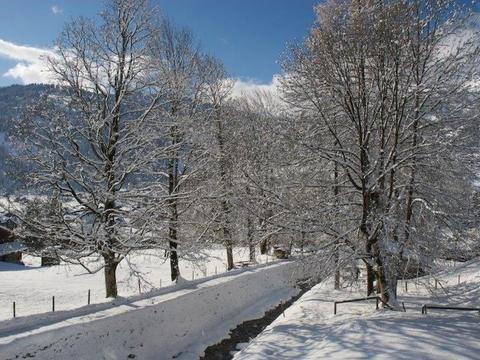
<point>11,247</point>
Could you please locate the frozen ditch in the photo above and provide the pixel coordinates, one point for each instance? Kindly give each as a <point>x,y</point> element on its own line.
<point>179,323</point>
<point>247,331</point>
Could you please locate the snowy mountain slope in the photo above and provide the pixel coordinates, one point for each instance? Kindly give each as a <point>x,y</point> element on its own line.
<point>309,329</point>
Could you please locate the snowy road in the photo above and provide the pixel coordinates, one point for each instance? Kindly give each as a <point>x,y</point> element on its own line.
<point>178,322</point>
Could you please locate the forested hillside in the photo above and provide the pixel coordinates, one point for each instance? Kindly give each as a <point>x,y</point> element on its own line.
<point>14,102</point>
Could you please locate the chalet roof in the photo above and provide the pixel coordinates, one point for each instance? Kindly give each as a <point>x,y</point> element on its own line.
<point>11,247</point>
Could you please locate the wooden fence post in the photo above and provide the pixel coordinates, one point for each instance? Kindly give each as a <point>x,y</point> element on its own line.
<point>424,309</point>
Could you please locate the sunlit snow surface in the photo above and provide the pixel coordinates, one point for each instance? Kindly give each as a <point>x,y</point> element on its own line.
<point>32,286</point>
<point>179,321</point>
<point>309,329</point>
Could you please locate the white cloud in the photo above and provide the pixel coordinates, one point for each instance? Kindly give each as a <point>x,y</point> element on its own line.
<point>268,95</point>
<point>29,73</point>
<point>250,87</point>
<point>20,52</point>
<point>31,65</point>
<point>56,10</point>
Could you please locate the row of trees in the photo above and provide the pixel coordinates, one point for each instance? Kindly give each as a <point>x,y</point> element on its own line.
<point>367,155</point>
<point>135,154</point>
<point>386,98</point>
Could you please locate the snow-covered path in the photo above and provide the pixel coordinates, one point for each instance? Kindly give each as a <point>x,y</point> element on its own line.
<point>309,329</point>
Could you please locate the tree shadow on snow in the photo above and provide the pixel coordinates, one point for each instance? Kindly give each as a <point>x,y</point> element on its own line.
<point>405,339</point>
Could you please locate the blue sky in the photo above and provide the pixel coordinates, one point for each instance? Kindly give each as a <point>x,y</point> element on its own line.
<point>249,36</point>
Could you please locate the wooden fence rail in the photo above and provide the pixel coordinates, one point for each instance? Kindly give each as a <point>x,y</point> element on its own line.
<point>425,308</point>
<point>377,299</point>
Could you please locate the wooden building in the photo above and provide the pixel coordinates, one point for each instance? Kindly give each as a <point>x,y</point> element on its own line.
<point>10,249</point>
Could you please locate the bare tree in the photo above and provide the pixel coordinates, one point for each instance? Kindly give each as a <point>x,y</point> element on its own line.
<point>380,92</point>
<point>177,75</point>
<point>262,183</point>
<point>216,94</point>
<point>91,148</point>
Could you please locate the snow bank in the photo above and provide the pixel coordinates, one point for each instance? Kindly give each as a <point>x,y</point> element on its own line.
<point>179,323</point>
<point>309,329</point>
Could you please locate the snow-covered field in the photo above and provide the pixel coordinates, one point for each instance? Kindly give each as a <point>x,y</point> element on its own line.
<point>309,329</point>
<point>177,322</point>
<point>32,287</point>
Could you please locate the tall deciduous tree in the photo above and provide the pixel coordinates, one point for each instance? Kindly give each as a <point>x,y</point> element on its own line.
<point>178,74</point>
<point>380,82</point>
<point>216,93</point>
<point>91,148</point>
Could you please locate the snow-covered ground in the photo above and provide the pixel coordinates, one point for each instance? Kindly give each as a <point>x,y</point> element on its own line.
<point>32,287</point>
<point>177,322</point>
<point>184,319</point>
<point>309,330</point>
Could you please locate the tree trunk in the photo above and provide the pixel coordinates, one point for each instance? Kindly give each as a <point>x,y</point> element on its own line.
<point>174,269</point>
<point>227,236</point>
<point>336,191</point>
<point>337,279</point>
<point>369,266</point>
<point>302,243</point>
<point>337,269</point>
<point>251,243</point>
<point>226,186</point>
<point>230,264</point>
<point>370,278</point>
<point>382,283</point>
<point>264,246</point>
<point>110,275</point>
<point>173,243</point>
<point>173,179</point>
